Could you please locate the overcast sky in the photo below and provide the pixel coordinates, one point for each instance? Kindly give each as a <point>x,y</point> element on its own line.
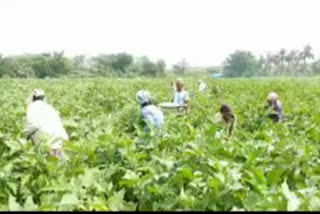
<point>202,31</point>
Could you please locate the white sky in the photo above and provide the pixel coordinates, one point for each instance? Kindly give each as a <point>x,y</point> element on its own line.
<point>202,31</point>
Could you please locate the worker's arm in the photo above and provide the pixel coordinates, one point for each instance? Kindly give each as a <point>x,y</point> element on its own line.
<point>232,126</point>
<point>186,99</point>
<point>147,117</point>
<point>174,94</point>
<point>30,130</point>
<point>279,109</point>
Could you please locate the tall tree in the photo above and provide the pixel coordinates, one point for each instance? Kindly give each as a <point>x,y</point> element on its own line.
<point>161,64</point>
<point>101,65</point>
<point>121,61</point>
<point>307,53</point>
<point>282,55</point>
<point>149,68</point>
<point>240,63</point>
<point>181,66</point>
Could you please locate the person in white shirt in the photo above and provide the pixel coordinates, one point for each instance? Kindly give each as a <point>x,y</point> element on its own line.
<point>202,86</point>
<point>180,96</point>
<point>44,123</point>
<point>150,113</point>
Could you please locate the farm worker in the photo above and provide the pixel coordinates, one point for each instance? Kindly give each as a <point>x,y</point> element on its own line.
<point>180,96</point>
<point>275,106</point>
<point>228,118</point>
<point>202,86</point>
<point>150,113</point>
<point>44,124</point>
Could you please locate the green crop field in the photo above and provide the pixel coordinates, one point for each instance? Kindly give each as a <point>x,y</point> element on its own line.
<point>111,164</point>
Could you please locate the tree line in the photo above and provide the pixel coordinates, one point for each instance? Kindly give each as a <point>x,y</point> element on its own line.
<point>281,63</point>
<point>56,64</point>
<point>238,64</point>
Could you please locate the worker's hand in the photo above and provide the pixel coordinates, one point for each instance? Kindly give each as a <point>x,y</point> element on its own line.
<point>56,152</point>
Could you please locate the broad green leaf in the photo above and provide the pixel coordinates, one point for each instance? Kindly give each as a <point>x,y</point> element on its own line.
<point>69,199</point>
<point>89,177</point>
<point>13,205</point>
<point>292,200</point>
<point>115,202</point>
<point>315,204</point>
<point>29,205</point>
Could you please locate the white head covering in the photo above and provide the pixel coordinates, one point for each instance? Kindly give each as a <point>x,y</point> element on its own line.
<point>35,93</point>
<point>143,97</point>
<point>38,93</point>
<point>272,96</point>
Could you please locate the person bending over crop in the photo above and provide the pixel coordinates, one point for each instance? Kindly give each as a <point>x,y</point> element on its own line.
<point>44,123</point>
<point>229,119</point>
<point>202,86</point>
<point>180,96</point>
<point>275,106</point>
<point>150,113</point>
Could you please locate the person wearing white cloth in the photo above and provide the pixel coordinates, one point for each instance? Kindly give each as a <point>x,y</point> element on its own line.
<point>150,113</point>
<point>180,96</point>
<point>202,86</point>
<point>44,123</point>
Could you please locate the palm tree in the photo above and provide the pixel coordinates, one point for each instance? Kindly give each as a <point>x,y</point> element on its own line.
<point>282,55</point>
<point>276,59</point>
<point>307,53</point>
<point>294,55</point>
<point>288,58</point>
<point>269,61</point>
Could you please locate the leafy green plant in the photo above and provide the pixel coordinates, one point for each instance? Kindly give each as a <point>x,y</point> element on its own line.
<point>111,164</point>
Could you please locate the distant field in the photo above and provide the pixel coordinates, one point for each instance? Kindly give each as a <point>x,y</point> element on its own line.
<point>113,165</point>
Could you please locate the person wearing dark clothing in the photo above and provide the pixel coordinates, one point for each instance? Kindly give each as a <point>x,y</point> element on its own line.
<point>275,106</point>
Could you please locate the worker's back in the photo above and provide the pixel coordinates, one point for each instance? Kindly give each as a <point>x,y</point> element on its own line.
<point>153,115</point>
<point>45,119</point>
